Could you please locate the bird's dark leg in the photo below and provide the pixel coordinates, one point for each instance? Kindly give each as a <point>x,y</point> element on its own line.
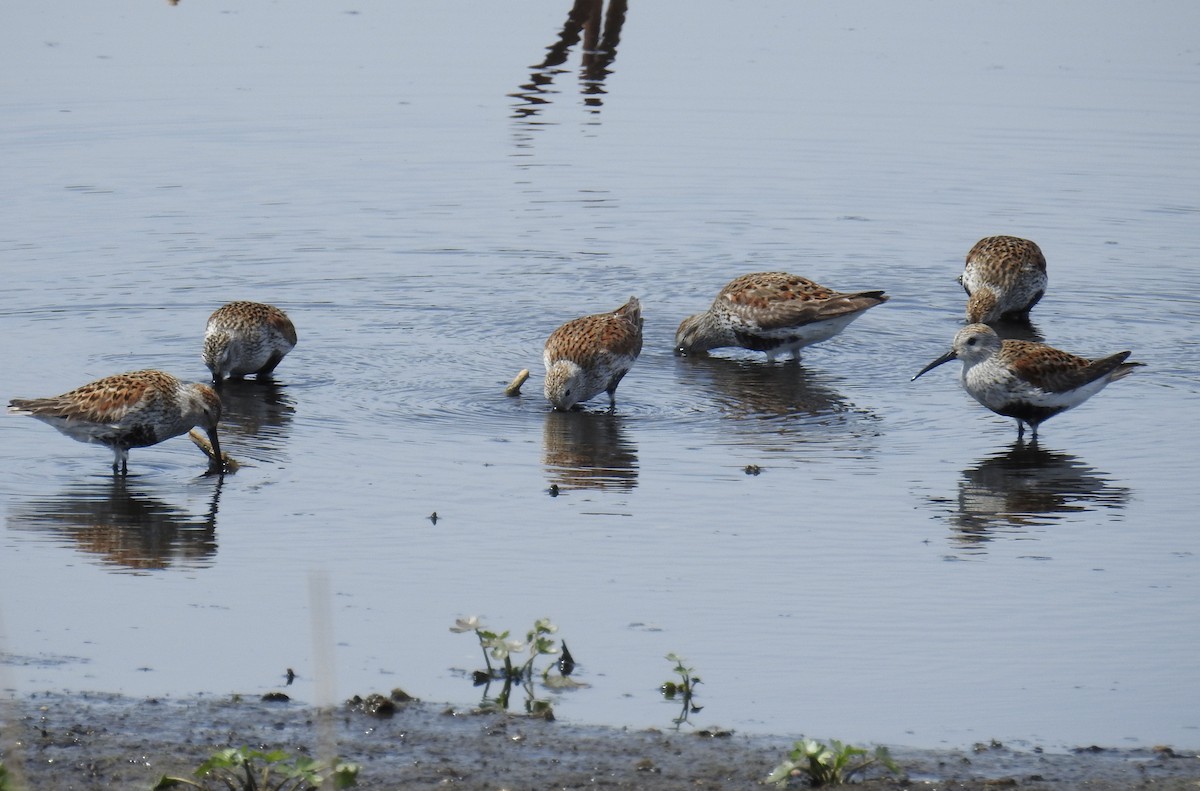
<point>120,461</point>
<point>265,371</point>
<point>1020,430</point>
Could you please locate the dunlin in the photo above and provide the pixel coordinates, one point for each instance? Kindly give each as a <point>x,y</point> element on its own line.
<point>132,410</point>
<point>590,355</point>
<point>773,312</point>
<point>1004,277</point>
<point>246,338</point>
<point>1029,381</point>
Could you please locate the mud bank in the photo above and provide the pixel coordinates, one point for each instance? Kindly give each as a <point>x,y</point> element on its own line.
<point>53,742</point>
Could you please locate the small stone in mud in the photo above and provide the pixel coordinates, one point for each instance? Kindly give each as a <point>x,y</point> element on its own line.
<point>433,517</point>
<point>374,705</point>
<point>714,733</point>
<point>400,696</point>
<point>276,697</point>
<point>553,490</point>
<point>752,469</point>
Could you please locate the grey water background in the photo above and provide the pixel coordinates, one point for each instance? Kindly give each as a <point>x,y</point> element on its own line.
<point>428,200</point>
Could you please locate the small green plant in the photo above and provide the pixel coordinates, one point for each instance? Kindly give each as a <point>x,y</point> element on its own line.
<point>253,770</point>
<point>4,784</point>
<point>498,646</point>
<point>828,766</point>
<point>684,689</point>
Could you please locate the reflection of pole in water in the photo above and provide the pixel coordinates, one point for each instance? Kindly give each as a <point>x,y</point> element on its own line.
<point>600,32</point>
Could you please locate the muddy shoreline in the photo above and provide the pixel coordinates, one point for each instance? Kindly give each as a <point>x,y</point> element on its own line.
<point>53,742</point>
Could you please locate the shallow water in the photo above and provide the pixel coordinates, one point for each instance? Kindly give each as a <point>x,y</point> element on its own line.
<point>899,570</point>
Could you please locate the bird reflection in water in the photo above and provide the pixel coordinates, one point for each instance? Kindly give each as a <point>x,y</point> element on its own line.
<point>1017,330</point>
<point>125,526</point>
<point>259,413</point>
<point>790,400</point>
<point>1025,487</point>
<point>600,30</point>
<point>588,450</point>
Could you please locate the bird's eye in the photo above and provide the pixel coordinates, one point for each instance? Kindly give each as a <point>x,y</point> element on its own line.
<point>970,341</point>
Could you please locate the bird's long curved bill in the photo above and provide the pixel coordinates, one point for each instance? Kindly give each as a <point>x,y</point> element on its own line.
<point>945,358</point>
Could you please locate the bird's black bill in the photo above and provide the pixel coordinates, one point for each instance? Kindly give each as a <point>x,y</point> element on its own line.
<point>216,465</point>
<point>945,358</point>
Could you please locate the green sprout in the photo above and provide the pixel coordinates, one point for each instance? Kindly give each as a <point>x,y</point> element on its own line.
<point>500,647</point>
<point>253,770</point>
<point>684,689</point>
<point>826,766</point>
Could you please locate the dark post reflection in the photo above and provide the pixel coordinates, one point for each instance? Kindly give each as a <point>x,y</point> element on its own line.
<point>125,526</point>
<point>600,31</point>
<point>588,450</point>
<point>1026,486</point>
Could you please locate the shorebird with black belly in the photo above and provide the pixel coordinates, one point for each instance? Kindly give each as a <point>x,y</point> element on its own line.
<point>773,312</point>
<point>1029,381</point>
<point>132,410</point>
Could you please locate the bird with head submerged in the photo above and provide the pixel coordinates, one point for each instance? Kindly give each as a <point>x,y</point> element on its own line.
<point>130,410</point>
<point>591,355</point>
<point>772,312</point>
<point>1004,277</point>
<point>244,338</point>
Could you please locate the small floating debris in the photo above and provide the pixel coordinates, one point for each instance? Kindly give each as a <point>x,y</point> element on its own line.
<point>433,517</point>
<point>203,444</point>
<point>514,387</point>
<point>752,469</point>
<point>563,682</point>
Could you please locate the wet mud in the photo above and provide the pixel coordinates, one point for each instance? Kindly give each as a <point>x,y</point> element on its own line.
<point>55,742</point>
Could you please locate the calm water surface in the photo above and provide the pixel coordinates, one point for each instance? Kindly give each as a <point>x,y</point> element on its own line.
<point>428,198</point>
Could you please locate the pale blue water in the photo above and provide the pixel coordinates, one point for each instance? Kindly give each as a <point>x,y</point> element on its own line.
<point>897,572</point>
